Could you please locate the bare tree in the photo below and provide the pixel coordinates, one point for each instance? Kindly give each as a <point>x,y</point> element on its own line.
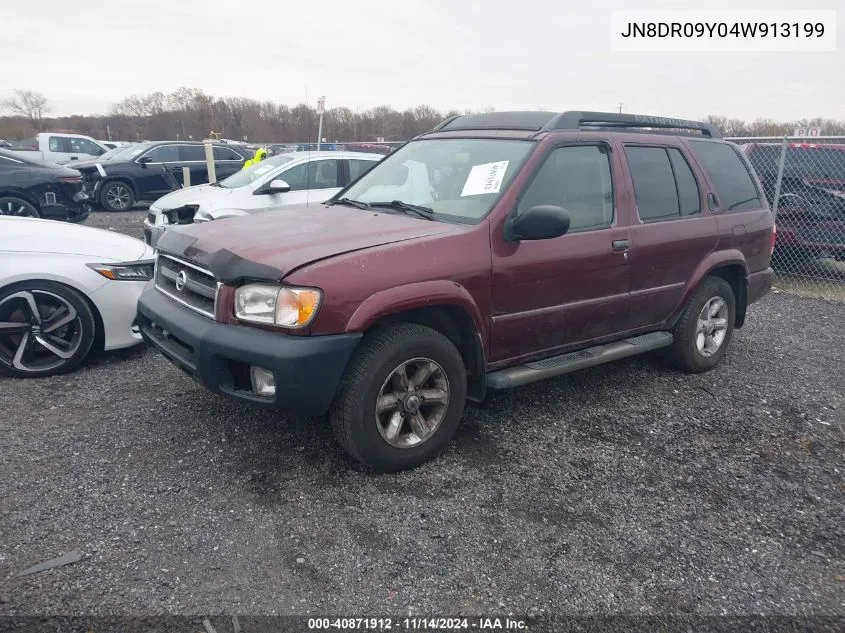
<point>28,103</point>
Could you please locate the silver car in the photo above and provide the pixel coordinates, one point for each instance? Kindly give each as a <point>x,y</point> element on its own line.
<point>284,180</point>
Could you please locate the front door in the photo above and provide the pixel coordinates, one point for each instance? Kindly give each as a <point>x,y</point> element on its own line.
<point>548,295</point>
<point>150,178</point>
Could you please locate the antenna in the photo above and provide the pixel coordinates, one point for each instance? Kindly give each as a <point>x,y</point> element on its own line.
<point>620,107</point>
<point>308,145</point>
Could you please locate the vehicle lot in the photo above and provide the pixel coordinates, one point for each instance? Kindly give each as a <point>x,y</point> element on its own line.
<point>629,488</point>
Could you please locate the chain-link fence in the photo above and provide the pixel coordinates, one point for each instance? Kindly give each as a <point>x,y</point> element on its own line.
<point>804,182</point>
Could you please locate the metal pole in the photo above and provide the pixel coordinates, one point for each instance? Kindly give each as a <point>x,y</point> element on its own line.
<point>186,177</point>
<point>320,133</point>
<point>781,163</point>
<point>209,160</point>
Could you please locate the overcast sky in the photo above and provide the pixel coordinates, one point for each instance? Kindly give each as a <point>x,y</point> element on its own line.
<point>508,54</point>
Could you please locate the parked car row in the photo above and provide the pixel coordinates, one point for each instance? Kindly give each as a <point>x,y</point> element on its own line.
<point>495,251</point>
<point>811,201</point>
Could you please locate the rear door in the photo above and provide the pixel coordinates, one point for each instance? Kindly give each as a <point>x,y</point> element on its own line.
<point>57,150</point>
<point>226,162</point>
<point>193,157</point>
<point>83,149</point>
<point>671,233</point>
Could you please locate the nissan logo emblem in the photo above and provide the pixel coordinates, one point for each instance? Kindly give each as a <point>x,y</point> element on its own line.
<point>181,280</point>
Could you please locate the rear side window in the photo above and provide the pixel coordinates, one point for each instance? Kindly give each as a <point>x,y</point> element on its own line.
<point>654,184</point>
<point>55,144</point>
<point>689,195</point>
<point>191,153</point>
<point>359,167</point>
<point>224,153</point>
<point>729,174</point>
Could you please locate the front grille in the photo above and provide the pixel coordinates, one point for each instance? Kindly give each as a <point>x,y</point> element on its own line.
<point>186,283</point>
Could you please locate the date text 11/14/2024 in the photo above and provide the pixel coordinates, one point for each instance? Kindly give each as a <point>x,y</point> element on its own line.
<point>417,624</point>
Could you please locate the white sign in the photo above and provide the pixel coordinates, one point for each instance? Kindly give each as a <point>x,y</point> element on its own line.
<point>807,131</point>
<point>486,178</point>
<point>321,106</point>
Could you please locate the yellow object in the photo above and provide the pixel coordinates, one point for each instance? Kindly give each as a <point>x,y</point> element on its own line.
<point>260,155</point>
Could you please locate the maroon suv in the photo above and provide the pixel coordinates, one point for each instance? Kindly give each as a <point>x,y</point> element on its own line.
<point>494,251</point>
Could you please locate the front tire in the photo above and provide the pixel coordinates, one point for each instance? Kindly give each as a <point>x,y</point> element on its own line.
<point>401,399</point>
<point>17,207</point>
<point>117,196</point>
<point>706,326</point>
<point>46,328</point>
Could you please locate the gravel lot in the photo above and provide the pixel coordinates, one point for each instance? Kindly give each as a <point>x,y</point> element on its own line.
<point>629,488</point>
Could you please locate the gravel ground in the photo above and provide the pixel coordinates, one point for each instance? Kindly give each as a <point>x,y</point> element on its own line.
<point>628,489</point>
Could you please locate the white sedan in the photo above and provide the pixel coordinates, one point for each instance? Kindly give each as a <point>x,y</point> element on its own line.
<point>66,290</point>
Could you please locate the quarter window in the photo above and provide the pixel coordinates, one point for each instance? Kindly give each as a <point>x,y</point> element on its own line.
<point>578,179</point>
<point>730,175</point>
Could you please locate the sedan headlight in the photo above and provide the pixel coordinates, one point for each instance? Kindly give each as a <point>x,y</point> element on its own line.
<point>284,306</point>
<point>141,270</point>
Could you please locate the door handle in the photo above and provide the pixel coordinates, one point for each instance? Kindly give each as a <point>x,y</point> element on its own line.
<point>620,245</point>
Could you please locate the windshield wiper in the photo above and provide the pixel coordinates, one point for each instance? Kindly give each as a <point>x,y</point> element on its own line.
<point>352,203</point>
<point>423,212</point>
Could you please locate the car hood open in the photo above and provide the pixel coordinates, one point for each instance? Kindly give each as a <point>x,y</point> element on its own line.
<point>198,194</point>
<point>270,245</point>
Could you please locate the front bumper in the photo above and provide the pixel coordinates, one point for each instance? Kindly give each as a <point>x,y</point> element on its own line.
<point>307,369</point>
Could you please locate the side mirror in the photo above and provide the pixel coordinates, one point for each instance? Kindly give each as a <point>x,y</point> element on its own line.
<point>543,222</point>
<point>144,160</point>
<point>276,185</point>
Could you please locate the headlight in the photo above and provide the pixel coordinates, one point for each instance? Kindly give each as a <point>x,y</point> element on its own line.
<point>141,270</point>
<point>277,305</point>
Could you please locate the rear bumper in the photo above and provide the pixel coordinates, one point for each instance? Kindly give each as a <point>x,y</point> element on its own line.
<point>759,284</point>
<point>307,369</point>
<point>76,212</point>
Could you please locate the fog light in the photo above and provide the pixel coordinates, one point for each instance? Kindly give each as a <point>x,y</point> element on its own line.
<point>263,381</point>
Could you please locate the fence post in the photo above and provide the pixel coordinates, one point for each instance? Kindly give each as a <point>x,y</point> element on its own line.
<point>781,163</point>
<point>186,177</point>
<point>209,160</point>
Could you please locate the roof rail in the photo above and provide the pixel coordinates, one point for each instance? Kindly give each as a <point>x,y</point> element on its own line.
<point>534,121</point>
<point>575,120</point>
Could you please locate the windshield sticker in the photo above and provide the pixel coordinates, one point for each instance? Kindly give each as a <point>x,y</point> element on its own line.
<point>263,169</point>
<point>486,178</point>
<point>101,170</point>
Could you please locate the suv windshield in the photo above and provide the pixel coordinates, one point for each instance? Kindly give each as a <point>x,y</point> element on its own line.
<point>251,174</point>
<point>458,179</point>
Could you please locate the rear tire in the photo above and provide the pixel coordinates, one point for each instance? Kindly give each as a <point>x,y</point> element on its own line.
<point>17,207</point>
<point>706,326</point>
<point>401,399</point>
<point>117,196</point>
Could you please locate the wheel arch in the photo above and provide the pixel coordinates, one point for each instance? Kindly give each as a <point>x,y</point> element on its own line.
<point>127,180</point>
<point>728,265</point>
<point>456,324</point>
<point>100,329</point>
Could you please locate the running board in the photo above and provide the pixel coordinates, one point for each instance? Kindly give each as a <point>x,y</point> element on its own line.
<point>573,361</point>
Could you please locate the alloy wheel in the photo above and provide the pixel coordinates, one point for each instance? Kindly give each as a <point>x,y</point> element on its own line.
<point>412,403</point>
<point>712,326</point>
<point>118,197</point>
<point>39,331</point>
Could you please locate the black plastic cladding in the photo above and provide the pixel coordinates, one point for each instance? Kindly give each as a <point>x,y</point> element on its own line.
<point>570,120</point>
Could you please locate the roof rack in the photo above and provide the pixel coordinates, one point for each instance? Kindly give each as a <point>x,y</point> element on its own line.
<point>570,120</point>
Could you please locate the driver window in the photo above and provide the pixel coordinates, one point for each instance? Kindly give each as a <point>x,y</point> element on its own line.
<point>578,179</point>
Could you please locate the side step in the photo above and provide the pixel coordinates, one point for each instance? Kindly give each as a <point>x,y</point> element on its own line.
<point>573,361</point>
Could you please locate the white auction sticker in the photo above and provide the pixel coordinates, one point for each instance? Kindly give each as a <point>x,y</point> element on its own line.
<point>101,170</point>
<point>263,169</point>
<point>486,178</point>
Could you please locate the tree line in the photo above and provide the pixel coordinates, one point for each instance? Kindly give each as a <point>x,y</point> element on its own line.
<point>189,113</point>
